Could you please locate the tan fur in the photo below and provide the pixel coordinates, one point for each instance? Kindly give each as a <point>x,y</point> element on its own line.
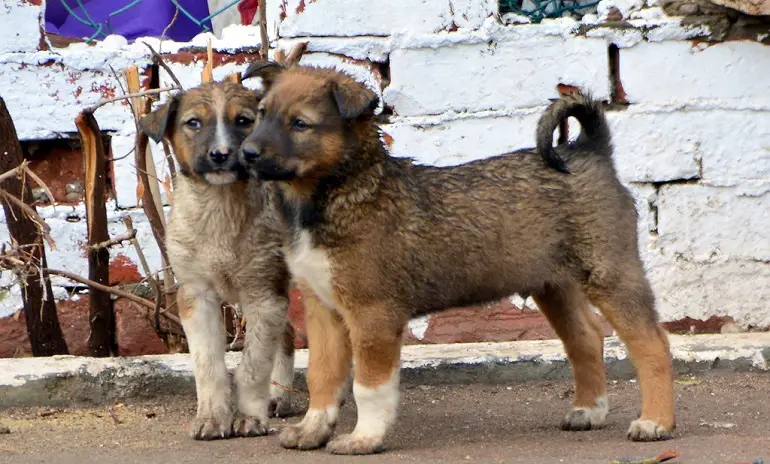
<point>224,243</point>
<point>379,240</point>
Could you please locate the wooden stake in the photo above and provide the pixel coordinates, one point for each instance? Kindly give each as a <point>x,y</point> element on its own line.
<point>208,70</point>
<point>43,329</point>
<point>102,341</point>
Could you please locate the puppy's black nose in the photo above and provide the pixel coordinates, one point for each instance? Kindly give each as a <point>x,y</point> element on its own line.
<point>218,156</point>
<point>251,153</point>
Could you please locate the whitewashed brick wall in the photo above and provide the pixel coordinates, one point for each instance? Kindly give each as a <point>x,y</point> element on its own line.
<point>693,144</point>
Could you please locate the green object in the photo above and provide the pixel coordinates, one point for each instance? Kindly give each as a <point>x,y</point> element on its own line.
<point>537,10</point>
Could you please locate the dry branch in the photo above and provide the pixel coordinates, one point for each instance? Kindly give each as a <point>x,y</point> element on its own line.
<point>112,290</point>
<point>153,208</point>
<point>30,213</point>
<point>265,45</point>
<point>158,59</point>
<point>102,341</point>
<point>114,241</point>
<point>135,95</point>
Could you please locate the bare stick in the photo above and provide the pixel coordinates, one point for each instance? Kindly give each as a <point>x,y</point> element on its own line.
<point>39,183</point>
<point>17,171</point>
<point>265,45</point>
<point>114,241</point>
<point>143,93</point>
<point>45,229</point>
<point>103,339</point>
<point>157,58</point>
<point>113,290</point>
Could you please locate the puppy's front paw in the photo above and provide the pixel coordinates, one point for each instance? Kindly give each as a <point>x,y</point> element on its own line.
<point>304,437</point>
<point>352,444</point>
<point>211,428</point>
<point>249,426</point>
<point>648,430</point>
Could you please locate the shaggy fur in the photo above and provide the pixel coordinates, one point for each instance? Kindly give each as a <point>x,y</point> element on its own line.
<point>224,243</point>
<point>375,240</point>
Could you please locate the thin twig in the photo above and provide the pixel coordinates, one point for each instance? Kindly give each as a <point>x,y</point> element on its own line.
<point>284,388</point>
<point>169,159</point>
<point>165,30</point>
<point>45,229</point>
<point>115,291</point>
<point>157,58</point>
<point>143,93</point>
<point>40,183</point>
<point>17,171</point>
<point>114,241</point>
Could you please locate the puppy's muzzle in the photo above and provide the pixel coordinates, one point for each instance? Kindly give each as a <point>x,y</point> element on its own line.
<point>268,169</point>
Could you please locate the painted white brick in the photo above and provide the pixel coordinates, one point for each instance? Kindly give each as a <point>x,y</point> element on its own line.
<point>503,75</point>
<point>655,147</point>
<point>735,145</point>
<point>125,169</point>
<point>44,100</point>
<point>20,21</point>
<point>359,48</point>
<point>736,289</point>
<point>295,18</point>
<point>470,14</point>
<point>678,72</point>
<point>462,140</point>
<point>708,224</point>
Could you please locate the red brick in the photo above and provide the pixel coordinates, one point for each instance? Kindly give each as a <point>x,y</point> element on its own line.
<point>689,325</point>
<point>497,322</point>
<point>123,271</point>
<point>136,335</point>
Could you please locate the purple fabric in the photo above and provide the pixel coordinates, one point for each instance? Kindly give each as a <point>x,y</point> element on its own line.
<point>146,18</point>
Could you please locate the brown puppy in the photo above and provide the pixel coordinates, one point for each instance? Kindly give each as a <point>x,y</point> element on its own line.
<point>376,240</point>
<point>224,245</point>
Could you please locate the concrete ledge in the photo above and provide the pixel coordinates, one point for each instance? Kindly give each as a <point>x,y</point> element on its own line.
<point>62,380</point>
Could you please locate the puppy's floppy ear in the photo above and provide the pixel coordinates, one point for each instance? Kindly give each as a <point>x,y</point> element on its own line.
<point>353,99</point>
<point>156,124</point>
<point>267,70</point>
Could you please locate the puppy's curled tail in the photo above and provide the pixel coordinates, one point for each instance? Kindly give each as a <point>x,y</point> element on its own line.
<point>595,133</point>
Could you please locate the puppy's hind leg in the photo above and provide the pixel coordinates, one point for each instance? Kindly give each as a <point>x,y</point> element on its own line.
<point>568,311</point>
<point>628,303</point>
<point>205,332</point>
<point>265,314</point>
<point>283,375</point>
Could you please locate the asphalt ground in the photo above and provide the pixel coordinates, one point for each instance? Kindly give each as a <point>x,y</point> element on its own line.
<point>722,418</point>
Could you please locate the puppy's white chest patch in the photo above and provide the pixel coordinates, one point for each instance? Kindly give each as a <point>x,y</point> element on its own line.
<point>311,265</point>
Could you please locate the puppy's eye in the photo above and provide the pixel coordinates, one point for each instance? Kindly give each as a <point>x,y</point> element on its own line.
<point>193,123</point>
<point>299,125</point>
<point>243,121</point>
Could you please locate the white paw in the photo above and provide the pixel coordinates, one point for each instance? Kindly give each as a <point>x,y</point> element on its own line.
<point>352,444</point>
<point>647,430</point>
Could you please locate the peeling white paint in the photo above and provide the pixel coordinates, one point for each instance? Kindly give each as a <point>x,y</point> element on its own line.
<point>20,22</point>
<point>419,326</point>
